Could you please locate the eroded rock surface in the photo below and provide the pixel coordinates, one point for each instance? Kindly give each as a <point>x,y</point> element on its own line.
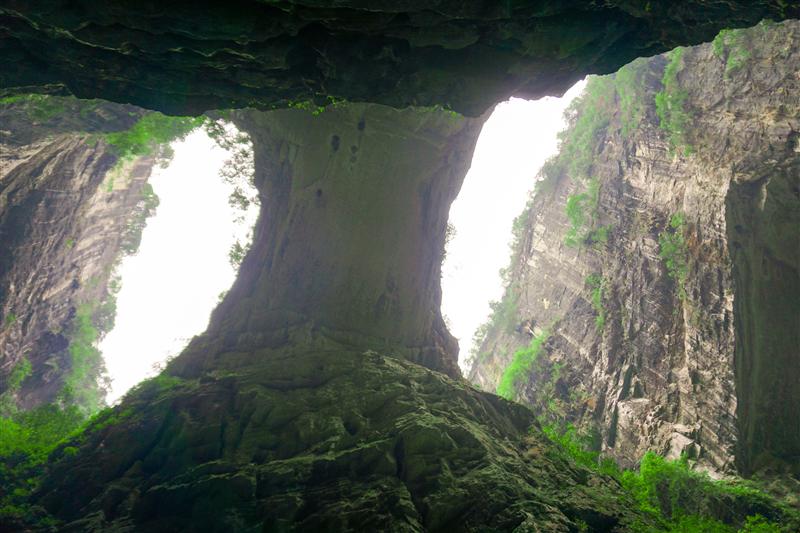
<point>188,57</point>
<point>320,437</point>
<point>705,362</point>
<point>63,219</point>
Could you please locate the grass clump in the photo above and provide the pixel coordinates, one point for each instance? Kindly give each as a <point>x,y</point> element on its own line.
<point>674,497</point>
<point>670,104</point>
<point>581,211</point>
<point>674,252</point>
<point>518,370</point>
<point>596,285</point>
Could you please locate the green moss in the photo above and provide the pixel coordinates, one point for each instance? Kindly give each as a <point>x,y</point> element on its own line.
<point>517,372</point>
<point>38,107</point>
<point>731,47</point>
<point>674,252</point>
<point>670,104</point>
<point>149,132</point>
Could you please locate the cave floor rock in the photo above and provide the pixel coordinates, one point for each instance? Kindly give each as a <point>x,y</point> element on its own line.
<point>322,437</point>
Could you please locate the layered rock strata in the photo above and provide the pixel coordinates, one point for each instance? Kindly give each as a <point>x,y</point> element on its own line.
<point>677,331</point>
<point>63,219</point>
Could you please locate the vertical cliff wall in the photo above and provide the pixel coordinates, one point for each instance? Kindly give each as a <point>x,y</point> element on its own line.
<point>652,294</point>
<point>68,206</point>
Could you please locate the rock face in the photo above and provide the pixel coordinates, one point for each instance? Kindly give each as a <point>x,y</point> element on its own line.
<point>303,407</point>
<point>188,57</point>
<point>63,218</point>
<point>673,324</point>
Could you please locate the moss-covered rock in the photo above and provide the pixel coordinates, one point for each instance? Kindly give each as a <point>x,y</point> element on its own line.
<point>347,440</point>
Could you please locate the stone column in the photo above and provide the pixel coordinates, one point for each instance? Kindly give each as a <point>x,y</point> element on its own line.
<point>349,243</point>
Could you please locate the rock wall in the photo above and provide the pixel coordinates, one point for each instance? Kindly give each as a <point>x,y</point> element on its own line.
<point>691,351</point>
<point>63,220</point>
<point>187,57</point>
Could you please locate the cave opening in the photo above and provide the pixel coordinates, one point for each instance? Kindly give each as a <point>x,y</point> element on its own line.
<point>190,251</point>
<point>514,143</point>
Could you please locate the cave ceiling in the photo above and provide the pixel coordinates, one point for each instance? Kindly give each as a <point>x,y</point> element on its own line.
<point>184,57</point>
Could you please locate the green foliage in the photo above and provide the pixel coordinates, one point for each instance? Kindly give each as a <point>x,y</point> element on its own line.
<point>145,208</point>
<point>674,252</point>
<point>579,447</point>
<point>630,85</point>
<point>10,319</point>
<point>687,500</point>
<point>517,371</point>
<point>82,382</point>
<point>26,440</point>
<point>670,104</point>
<point>581,210</point>
<point>587,118</point>
<point>677,499</point>
<point>730,46</point>
<point>149,132</point>
<point>236,254</point>
<point>596,284</point>
<point>18,374</point>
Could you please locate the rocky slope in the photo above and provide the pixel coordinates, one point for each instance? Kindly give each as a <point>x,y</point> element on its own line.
<point>671,323</point>
<point>65,214</point>
<point>187,57</point>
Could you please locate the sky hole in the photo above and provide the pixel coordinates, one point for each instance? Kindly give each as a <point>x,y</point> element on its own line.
<point>186,259</point>
<point>516,140</point>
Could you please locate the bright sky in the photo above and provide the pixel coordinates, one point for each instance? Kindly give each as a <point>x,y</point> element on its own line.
<point>515,142</point>
<point>171,285</point>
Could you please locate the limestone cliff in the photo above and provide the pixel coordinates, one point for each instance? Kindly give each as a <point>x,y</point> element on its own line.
<point>653,292</point>
<point>185,57</point>
<point>65,214</point>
